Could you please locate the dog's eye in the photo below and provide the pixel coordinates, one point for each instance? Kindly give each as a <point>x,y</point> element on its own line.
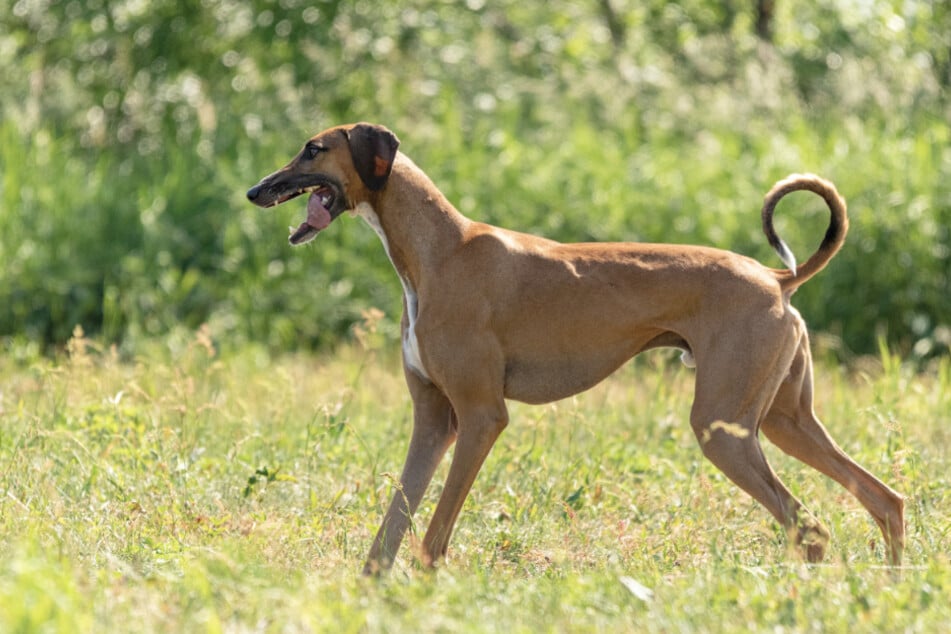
<point>311,151</point>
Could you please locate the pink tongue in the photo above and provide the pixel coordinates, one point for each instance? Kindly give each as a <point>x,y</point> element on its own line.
<point>317,215</point>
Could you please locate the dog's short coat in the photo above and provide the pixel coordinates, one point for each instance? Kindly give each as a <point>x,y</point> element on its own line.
<point>491,314</point>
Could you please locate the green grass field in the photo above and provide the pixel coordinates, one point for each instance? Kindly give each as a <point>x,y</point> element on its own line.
<point>229,477</point>
<point>178,491</point>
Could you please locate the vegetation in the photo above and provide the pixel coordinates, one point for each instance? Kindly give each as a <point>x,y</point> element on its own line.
<point>192,492</point>
<point>130,131</point>
<point>192,465</point>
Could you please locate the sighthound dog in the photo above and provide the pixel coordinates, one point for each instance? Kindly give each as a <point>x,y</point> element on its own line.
<point>491,314</point>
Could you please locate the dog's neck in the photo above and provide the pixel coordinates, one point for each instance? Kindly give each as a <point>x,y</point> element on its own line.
<point>419,227</point>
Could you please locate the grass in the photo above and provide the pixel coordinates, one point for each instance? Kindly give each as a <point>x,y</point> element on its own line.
<point>180,491</point>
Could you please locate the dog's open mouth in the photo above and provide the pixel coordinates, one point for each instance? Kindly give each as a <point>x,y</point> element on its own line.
<point>319,203</point>
<point>325,202</point>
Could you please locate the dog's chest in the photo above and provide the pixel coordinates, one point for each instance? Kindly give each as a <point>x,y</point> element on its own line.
<point>410,342</point>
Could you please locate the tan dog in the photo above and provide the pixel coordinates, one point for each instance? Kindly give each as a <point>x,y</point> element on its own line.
<point>491,314</point>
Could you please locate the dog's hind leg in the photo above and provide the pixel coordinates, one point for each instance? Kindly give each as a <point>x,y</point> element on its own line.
<point>434,430</point>
<point>791,424</point>
<point>730,401</point>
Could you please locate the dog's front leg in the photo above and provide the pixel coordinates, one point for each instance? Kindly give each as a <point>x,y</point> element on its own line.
<point>478,430</point>
<point>434,430</point>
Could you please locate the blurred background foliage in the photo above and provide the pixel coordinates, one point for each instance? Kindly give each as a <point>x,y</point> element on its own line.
<point>130,130</point>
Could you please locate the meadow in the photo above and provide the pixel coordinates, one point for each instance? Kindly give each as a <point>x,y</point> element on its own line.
<point>186,490</point>
<point>200,427</point>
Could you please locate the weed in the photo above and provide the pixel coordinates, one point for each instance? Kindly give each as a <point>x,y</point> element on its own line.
<point>125,497</point>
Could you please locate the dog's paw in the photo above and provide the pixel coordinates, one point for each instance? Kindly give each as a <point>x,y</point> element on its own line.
<point>812,538</point>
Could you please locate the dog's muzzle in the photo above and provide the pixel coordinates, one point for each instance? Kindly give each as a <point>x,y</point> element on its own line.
<point>323,205</point>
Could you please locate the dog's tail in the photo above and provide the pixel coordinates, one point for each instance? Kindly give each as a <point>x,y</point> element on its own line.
<point>835,234</point>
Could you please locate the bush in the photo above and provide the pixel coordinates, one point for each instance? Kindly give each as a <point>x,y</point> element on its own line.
<point>130,133</point>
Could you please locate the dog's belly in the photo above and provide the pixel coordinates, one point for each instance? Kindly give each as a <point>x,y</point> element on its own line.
<point>544,380</point>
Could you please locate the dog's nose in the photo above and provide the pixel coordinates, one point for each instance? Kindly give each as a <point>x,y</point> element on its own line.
<point>254,192</point>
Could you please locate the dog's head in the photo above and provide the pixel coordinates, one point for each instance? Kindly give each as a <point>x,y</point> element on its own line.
<point>339,168</point>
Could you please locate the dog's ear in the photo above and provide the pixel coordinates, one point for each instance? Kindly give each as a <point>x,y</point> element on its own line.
<point>373,149</point>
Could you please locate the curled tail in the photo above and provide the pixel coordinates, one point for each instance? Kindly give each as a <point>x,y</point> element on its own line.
<point>831,243</point>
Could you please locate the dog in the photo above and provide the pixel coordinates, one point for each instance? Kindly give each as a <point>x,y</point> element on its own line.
<point>491,314</point>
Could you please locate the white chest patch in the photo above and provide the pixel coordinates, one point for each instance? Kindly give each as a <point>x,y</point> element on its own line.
<point>410,342</point>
